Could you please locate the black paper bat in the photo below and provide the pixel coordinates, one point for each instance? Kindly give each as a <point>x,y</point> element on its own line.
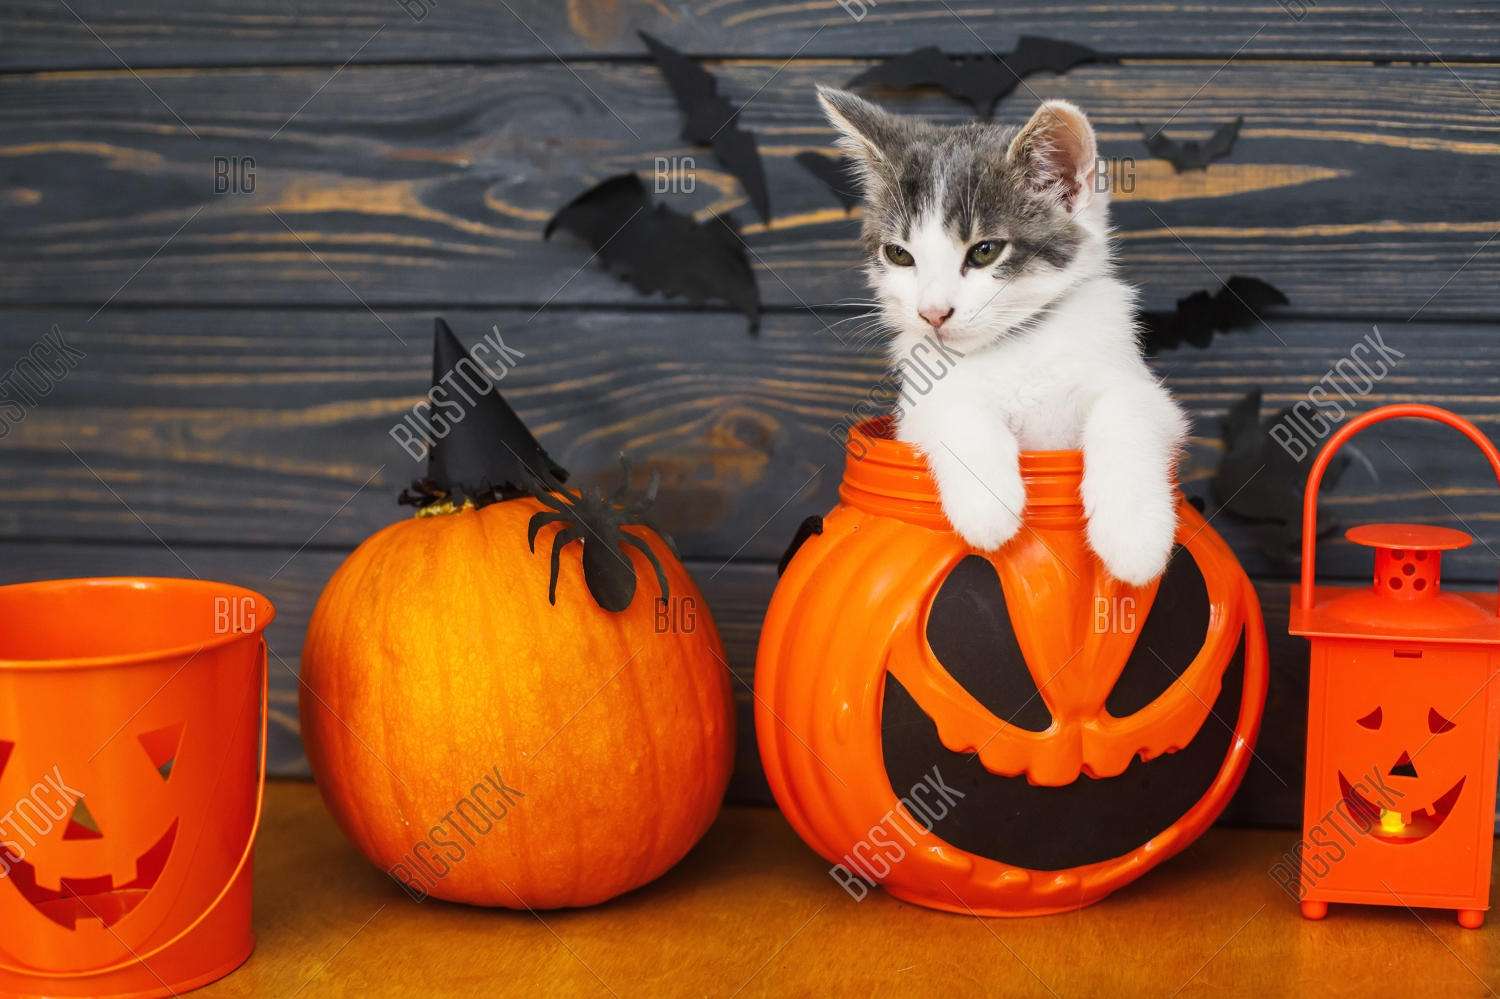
<point>1236,305</point>
<point>485,453</point>
<point>710,120</point>
<point>1192,154</point>
<point>1260,483</point>
<point>979,80</point>
<point>836,174</point>
<point>810,526</point>
<point>659,250</point>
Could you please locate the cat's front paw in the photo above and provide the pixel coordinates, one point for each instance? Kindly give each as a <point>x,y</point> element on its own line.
<point>985,514</point>
<point>1133,535</point>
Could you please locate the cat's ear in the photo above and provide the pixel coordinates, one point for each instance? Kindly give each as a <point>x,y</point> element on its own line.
<point>1059,154</point>
<point>868,134</point>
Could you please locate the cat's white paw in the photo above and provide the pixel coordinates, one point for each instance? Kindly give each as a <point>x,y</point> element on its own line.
<point>985,514</point>
<point>1133,533</point>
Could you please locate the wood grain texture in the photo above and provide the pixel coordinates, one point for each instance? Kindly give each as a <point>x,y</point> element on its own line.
<point>1356,189</point>
<point>753,912</point>
<point>42,34</point>
<point>273,428</point>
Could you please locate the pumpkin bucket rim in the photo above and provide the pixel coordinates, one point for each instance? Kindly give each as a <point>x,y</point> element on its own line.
<point>891,477</point>
<point>165,586</point>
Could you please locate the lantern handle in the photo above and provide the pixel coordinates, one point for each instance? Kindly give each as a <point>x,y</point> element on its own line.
<point>1320,465</point>
<point>239,868</point>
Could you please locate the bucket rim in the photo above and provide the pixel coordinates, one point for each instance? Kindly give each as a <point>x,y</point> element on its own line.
<point>187,649</point>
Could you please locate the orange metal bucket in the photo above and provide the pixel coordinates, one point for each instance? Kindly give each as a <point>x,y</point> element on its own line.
<point>132,765</point>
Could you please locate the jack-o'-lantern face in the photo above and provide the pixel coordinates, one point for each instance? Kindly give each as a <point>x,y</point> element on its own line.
<point>1108,744</point>
<point>74,872</point>
<point>1389,792</point>
<point>113,813</point>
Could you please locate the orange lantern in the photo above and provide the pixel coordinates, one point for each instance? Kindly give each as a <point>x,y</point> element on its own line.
<point>1080,730</point>
<point>1403,716</point>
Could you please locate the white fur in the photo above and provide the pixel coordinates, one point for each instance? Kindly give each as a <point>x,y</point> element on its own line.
<point>1050,361</point>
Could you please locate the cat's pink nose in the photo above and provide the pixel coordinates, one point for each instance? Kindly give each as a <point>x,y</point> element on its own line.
<point>935,317</point>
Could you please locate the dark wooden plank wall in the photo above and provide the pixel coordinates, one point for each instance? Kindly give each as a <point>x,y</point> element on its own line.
<point>236,390</point>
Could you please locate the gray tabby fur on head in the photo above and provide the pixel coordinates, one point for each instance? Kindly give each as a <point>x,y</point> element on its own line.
<point>936,192</point>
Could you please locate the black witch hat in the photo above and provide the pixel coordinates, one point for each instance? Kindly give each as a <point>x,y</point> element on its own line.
<point>477,447</point>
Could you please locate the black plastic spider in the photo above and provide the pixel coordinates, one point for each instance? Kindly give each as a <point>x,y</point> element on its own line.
<point>595,520</point>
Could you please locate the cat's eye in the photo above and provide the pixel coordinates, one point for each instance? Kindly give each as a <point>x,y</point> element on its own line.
<point>985,252</point>
<point>898,255</point>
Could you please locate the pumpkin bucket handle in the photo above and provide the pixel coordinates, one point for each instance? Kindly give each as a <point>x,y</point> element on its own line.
<point>239,868</point>
<point>1348,430</point>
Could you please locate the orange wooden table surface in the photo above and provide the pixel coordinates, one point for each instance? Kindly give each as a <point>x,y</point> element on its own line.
<point>752,912</point>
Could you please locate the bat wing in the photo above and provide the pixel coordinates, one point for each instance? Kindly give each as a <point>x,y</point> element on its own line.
<point>981,81</point>
<point>924,67</point>
<point>710,120</point>
<point>656,249</point>
<point>1192,155</point>
<point>836,174</point>
<point>1183,155</point>
<point>1254,292</point>
<point>1032,54</point>
<point>1221,143</point>
<point>1158,143</point>
<point>1199,316</point>
<point>738,151</point>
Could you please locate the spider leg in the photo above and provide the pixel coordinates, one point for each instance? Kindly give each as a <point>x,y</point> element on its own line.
<point>549,500</point>
<point>559,541</point>
<point>619,494</point>
<point>633,511</point>
<point>661,576</point>
<point>648,522</point>
<point>539,521</point>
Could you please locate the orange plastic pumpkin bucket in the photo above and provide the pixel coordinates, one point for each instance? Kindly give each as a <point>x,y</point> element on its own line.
<point>130,789</point>
<point>1000,733</point>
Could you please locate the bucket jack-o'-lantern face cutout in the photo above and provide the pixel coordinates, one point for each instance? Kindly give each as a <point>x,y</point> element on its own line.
<point>125,802</point>
<point>1397,801</point>
<point>78,876</point>
<point>1105,746</point>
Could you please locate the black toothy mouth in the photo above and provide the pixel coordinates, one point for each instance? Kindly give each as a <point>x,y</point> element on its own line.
<point>96,898</point>
<point>1390,826</point>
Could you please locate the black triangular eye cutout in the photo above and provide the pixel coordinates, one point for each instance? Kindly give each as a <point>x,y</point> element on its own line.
<point>970,633</point>
<point>1437,724</point>
<point>5,751</point>
<point>81,824</point>
<point>1372,720</point>
<point>161,745</point>
<point>1168,639</point>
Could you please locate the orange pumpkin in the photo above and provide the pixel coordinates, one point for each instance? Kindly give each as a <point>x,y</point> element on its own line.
<point>486,745</point>
<point>1129,713</point>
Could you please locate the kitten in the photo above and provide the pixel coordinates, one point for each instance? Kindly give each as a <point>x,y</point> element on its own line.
<point>995,242</point>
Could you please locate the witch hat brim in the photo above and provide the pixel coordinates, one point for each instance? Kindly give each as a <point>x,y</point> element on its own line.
<point>479,448</point>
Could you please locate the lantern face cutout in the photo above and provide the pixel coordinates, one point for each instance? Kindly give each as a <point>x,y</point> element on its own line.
<point>1042,695</point>
<point>1403,727</point>
<point>72,885</point>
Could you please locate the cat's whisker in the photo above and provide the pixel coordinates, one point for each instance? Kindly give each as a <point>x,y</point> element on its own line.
<point>851,319</point>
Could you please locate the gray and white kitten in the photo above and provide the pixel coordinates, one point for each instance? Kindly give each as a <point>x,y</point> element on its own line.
<point>995,241</point>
